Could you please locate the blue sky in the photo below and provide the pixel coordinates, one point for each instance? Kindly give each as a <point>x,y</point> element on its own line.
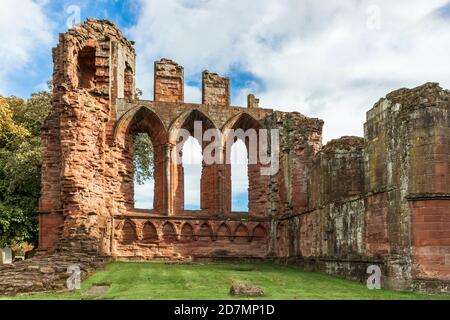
<point>327,59</point>
<point>124,14</point>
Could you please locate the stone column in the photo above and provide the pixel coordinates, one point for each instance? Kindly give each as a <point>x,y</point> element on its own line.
<point>168,207</point>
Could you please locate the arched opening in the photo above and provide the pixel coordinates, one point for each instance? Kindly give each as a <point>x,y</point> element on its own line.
<point>223,234</point>
<point>259,235</point>
<point>192,170</point>
<point>187,128</point>
<point>241,234</point>
<point>205,233</point>
<point>187,233</point>
<point>144,171</point>
<point>169,233</point>
<point>142,137</point>
<point>242,130</point>
<point>149,233</point>
<point>128,83</point>
<point>128,233</point>
<point>239,177</point>
<point>86,68</point>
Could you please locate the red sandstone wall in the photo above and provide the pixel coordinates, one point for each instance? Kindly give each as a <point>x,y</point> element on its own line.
<point>50,226</point>
<point>189,238</point>
<point>431,239</point>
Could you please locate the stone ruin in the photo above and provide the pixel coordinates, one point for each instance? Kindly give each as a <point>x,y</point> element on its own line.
<point>379,200</point>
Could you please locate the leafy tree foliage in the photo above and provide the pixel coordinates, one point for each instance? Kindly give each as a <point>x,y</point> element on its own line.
<point>143,159</point>
<point>143,154</point>
<point>20,166</point>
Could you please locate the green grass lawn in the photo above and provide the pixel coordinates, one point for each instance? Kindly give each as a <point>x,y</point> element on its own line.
<point>135,280</point>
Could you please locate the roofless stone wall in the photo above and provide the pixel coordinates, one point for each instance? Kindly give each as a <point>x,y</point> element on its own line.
<point>383,199</point>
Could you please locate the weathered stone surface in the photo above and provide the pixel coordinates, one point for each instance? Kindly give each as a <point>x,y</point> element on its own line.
<point>382,199</point>
<point>96,290</point>
<point>246,290</point>
<point>46,272</point>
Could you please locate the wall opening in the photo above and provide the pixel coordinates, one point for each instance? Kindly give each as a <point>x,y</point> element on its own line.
<point>128,232</point>
<point>86,68</point>
<point>193,180</point>
<point>246,129</point>
<point>192,169</point>
<point>239,177</point>
<point>144,172</point>
<point>128,83</point>
<point>142,181</point>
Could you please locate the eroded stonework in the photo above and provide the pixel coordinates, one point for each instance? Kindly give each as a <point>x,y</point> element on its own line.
<point>383,199</point>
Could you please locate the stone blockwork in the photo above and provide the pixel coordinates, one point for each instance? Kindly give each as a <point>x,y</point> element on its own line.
<point>383,199</point>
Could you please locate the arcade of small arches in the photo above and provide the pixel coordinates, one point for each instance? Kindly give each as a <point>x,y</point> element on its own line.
<point>146,232</point>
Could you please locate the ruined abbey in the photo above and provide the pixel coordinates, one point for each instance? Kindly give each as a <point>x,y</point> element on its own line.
<point>382,199</point>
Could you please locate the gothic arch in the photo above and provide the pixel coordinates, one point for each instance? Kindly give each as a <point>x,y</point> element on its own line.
<point>187,233</point>
<point>223,232</point>
<point>259,232</point>
<point>206,232</point>
<point>169,232</point>
<point>142,120</point>
<point>256,181</point>
<point>241,234</point>
<point>259,235</point>
<point>243,121</point>
<point>186,121</point>
<point>209,192</point>
<point>129,234</point>
<point>149,233</point>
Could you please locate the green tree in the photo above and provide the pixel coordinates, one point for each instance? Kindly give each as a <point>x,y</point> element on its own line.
<point>20,165</point>
<point>143,154</point>
<point>143,158</point>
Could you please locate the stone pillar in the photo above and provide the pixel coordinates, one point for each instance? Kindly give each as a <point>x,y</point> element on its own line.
<point>169,81</point>
<point>215,89</point>
<point>221,181</point>
<point>168,149</point>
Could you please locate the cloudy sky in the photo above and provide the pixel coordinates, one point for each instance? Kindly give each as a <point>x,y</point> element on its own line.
<point>328,59</point>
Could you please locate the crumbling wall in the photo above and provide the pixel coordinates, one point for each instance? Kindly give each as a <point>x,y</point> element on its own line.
<point>424,111</point>
<point>382,199</point>
<point>330,230</point>
<point>89,62</point>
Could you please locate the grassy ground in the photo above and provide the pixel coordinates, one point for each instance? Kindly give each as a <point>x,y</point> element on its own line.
<point>134,280</point>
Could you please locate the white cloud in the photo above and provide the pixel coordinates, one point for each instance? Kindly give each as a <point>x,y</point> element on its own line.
<point>24,29</point>
<point>192,164</point>
<point>326,59</point>
<point>143,195</point>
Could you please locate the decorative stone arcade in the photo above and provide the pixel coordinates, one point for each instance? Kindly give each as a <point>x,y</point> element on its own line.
<point>383,199</point>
